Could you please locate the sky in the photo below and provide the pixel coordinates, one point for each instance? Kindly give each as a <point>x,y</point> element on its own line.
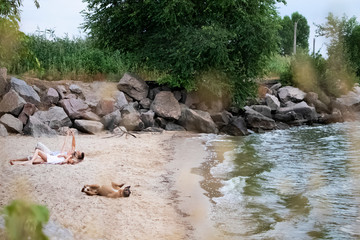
<point>65,18</point>
<point>316,11</point>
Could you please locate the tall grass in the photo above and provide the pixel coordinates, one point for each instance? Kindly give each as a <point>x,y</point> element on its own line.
<point>65,58</point>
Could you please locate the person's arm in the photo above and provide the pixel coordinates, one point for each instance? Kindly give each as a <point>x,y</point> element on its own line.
<point>65,141</point>
<point>73,142</point>
<point>68,159</point>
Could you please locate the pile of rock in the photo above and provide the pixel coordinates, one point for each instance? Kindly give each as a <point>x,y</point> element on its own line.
<point>139,106</point>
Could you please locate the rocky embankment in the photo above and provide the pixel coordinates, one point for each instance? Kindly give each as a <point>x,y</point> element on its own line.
<point>42,108</point>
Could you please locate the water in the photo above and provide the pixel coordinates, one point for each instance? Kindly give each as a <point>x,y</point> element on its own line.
<point>300,183</point>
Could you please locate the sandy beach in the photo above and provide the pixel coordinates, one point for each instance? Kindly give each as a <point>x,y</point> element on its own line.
<point>156,166</point>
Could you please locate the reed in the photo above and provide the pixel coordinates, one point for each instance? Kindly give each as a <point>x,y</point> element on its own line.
<point>65,58</point>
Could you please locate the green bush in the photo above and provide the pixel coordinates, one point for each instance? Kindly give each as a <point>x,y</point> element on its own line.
<point>24,220</point>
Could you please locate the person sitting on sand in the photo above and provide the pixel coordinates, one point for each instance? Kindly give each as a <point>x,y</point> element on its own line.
<point>44,155</point>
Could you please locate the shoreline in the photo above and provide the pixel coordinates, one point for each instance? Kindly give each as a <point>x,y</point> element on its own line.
<point>190,153</point>
<point>153,164</point>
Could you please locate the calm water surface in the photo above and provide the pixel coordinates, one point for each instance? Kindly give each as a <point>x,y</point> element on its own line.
<point>300,183</point>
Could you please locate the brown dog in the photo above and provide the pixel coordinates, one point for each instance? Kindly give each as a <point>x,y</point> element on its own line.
<point>114,191</point>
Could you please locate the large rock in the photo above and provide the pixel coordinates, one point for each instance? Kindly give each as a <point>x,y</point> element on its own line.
<point>313,99</point>
<point>105,106</point>
<point>11,123</point>
<point>237,127</point>
<point>170,126</point>
<point>4,83</point>
<point>88,115</point>
<point>222,119</point>
<point>88,126</point>
<point>257,121</point>
<point>148,118</point>
<point>145,103</point>
<point>272,102</point>
<point>134,86</point>
<point>74,108</point>
<point>120,100</point>
<point>28,110</point>
<point>3,131</point>
<point>350,99</point>
<point>131,119</point>
<point>289,93</point>
<point>36,128</point>
<point>75,89</point>
<point>165,105</point>
<point>303,112</point>
<point>12,103</point>
<point>55,117</point>
<point>25,91</point>
<point>111,120</point>
<point>52,96</point>
<point>196,120</point>
<point>263,109</point>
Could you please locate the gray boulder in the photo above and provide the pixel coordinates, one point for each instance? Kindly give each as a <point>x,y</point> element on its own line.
<point>350,99</point>
<point>237,127</point>
<point>25,91</point>
<point>28,110</point>
<point>52,96</point>
<point>256,120</point>
<point>165,105</point>
<point>263,109</point>
<point>313,99</point>
<point>274,88</point>
<point>302,111</point>
<point>131,119</point>
<point>289,93</point>
<point>133,86</point>
<point>11,123</point>
<point>88,115</point>
<point>75,89</point>
<point>74,108</point>
<point>222,119</point>
<point>145,103</point>
<point>55,117</point>
<point>148,118</point>
<point>272,102</point>
<point>170,126</point>
<point>37,128</point>
<point>12,103</point>
<point>3,131</point>
<point>120,100</point>
<point>197,120</point>
<point>88,126</point>
<point>4,83</point>
<point>111,120</point>
<point>61,90</point>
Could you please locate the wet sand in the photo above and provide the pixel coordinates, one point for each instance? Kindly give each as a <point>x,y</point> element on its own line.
<point>167,201</point>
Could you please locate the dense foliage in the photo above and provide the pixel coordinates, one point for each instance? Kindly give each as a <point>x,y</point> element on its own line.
<point>12,41</point>
<point>287,33</point>
<point>24,220</point>
<point>185,40</point>
<point>64,58</point>
<point>342,55</point>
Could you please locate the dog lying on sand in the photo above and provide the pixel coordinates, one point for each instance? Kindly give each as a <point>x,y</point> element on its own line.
<point>114,191</point>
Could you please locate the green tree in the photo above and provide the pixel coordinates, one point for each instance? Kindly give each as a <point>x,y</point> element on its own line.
<point>11,38</point>
<point>352,43</point>
<point>287,33</point>
<point>340,72</point>
<point>187,39</point>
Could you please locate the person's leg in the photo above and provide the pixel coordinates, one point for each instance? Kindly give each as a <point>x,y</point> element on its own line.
<point>42,147</point>
<point>38,154</point>
<point>15,161</point>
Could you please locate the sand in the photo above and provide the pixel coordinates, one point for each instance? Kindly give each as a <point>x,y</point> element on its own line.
<point>157,166</point>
